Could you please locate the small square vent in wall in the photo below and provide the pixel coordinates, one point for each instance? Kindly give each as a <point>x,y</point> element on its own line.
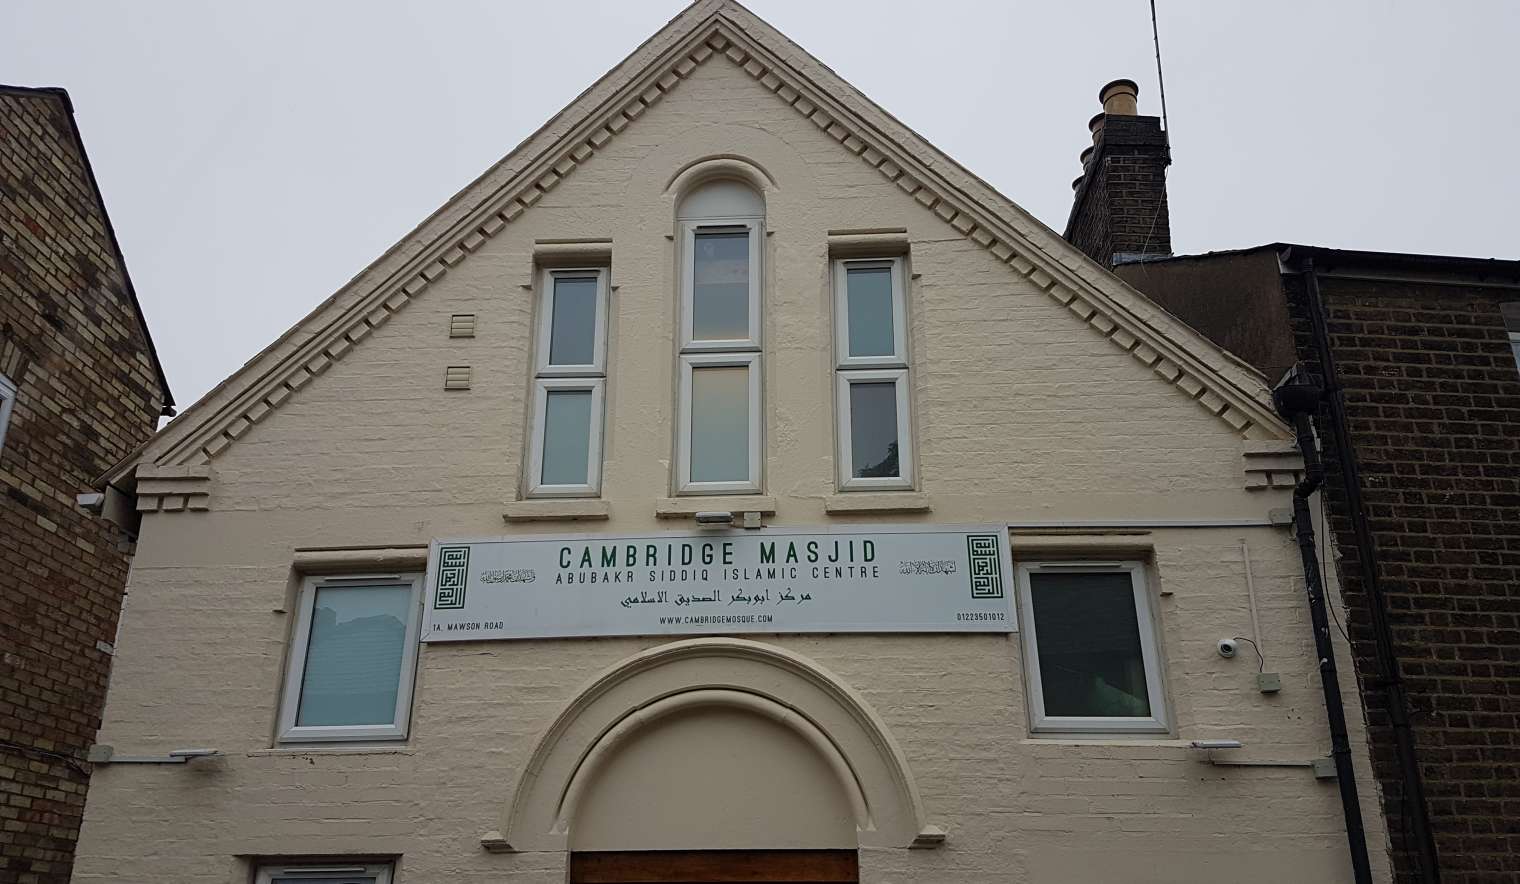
<point>456,377</point>
<point>462,325</point>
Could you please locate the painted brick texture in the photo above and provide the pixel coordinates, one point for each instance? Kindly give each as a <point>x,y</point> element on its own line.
<point>71,341</point>
<point>1433,400</point>
<point>1022,411</point>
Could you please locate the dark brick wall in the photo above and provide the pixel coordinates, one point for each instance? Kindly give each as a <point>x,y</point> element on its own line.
<point>1433,400</point>
<point>1120,208</point>
<point>88,394</point>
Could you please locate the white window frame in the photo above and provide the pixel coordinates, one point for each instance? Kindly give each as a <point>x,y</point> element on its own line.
<point>864,369</point>
<point>7,402</point>
<point>591,376</point>
<point>598,365</point>
<point>899,357</point>
<point>295,668</point>
<point>273,873</point>
<point>848,481</point>
<point>593,485</point>
<point>1150,653</point>
<point>689,231</point>
<point>689,362</point>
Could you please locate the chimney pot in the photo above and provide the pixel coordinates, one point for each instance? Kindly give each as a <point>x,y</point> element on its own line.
<point>1086,155</point>
<point>1120,98</point>
<point>1095,125</point>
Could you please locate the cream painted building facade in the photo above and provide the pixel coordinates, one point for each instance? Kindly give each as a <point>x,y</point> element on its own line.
<point>706,217</point>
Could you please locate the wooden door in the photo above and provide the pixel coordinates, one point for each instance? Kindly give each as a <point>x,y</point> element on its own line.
<point>716,867</point>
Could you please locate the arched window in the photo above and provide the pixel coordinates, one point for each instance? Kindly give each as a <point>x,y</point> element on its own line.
<point>719,442</point>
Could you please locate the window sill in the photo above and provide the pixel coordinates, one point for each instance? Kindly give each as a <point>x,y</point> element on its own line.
<point>687,507</point>
<point>562,510</point>
<point>1108,741</point>
<point>313,749</point>
<point>877,502</point>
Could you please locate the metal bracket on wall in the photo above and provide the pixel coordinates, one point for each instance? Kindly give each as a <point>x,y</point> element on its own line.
<point>101,754</point>
<point>1322,768</point>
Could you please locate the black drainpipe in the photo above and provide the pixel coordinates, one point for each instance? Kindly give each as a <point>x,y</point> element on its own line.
<point>1296,401</point>
<point>1414,811</point>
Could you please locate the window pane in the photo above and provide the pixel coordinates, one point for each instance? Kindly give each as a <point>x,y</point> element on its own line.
<point>330,879</point>
<point>720,279</point>
<point>868,295</point>
<point>572,325</point>
<point>1089,641</point>
<point>567,437</point>
<point>873,430</point>
<point>353,658</point>
<point>720,424</point>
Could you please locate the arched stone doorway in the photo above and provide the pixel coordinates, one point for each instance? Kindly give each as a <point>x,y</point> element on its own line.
<point>715,760</point>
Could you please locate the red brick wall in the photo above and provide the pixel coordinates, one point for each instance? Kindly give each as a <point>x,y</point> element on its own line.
<point>88,394</point>
<point>1433,400</point>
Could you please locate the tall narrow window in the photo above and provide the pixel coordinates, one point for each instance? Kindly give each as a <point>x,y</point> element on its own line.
<point>565,458</point>
<point>352,659</point>
<point>719,439</point>
<point>7,402</point>
<point>871,390</point>
<point>1090,654</point>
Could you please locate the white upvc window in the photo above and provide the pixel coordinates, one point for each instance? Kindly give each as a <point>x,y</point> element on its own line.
<point>325,873</point>
<point>870,313</point>
<point>572,323</point>
<point>566,460</point>
<point>873,408</point>
<point>718,436</point>
<point>720,285</point>
<point>570,379</point>
<point>352,658</point>
<point>7,402</point>
<point>1091,659</point>
<point>874,437</point>
<point>719,430</point>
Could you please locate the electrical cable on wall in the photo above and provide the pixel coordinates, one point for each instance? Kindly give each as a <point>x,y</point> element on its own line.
<point>1261,664</point>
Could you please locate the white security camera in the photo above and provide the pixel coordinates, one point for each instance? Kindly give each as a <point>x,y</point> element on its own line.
<point>1227,647</point>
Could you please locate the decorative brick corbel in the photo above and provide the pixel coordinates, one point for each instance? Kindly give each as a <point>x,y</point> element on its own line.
<point>1270,465</point>
<point>172,489</point>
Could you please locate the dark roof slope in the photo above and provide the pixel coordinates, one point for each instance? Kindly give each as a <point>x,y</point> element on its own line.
<point>1473,270</point>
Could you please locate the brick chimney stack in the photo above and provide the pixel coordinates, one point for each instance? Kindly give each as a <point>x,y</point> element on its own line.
<point>1119,213</point>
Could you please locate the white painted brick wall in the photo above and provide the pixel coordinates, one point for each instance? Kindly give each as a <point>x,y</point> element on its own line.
<point>1022,411</point>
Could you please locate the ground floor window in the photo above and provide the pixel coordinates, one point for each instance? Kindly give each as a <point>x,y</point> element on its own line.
<point>325,873</point>
<point>1090,648</point>
<point>351,659</point>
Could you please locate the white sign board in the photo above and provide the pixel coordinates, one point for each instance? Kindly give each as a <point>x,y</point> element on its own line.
<point>920,578</point>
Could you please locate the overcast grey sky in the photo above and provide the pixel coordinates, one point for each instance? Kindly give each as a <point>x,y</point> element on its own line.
<point>255,156</point>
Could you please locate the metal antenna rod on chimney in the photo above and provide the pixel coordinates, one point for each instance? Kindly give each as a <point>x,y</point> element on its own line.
<point>1156,37</point>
